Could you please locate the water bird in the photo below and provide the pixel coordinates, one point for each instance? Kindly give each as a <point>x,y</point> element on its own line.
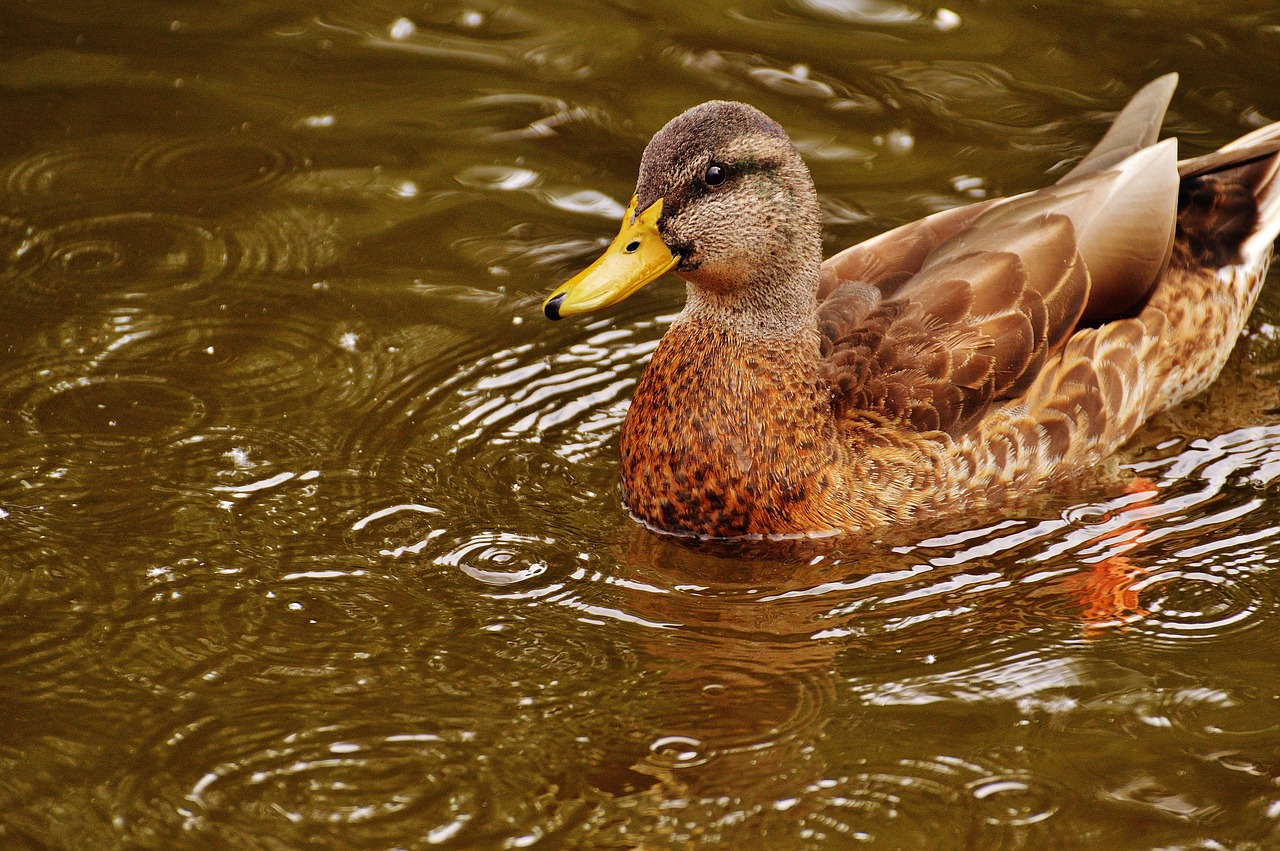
<point>956,363</point>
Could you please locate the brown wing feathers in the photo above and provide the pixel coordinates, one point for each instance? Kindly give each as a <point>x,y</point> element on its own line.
<point>889,260</point>
<point>972,327</point>
<point>935,322</point>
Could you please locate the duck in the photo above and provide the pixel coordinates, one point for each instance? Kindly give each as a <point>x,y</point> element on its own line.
<point>958,363</point>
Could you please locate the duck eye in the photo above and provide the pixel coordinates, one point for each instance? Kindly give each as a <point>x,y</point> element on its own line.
<point>715,175</point>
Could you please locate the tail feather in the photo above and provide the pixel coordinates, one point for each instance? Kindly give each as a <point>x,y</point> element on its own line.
<point>1267,193</point>
<point>1257,245</point>
<point>1229,203</point>
<point>1136,127</point>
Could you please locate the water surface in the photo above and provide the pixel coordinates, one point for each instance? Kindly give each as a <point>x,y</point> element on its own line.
<point>310,523</point>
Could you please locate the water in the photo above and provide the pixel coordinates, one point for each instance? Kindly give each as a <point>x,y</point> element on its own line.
<point>311,527</point>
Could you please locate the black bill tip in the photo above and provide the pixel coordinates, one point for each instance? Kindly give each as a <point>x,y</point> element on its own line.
<point>552,308</point>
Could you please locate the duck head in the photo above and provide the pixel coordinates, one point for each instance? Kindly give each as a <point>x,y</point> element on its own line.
<point>725,201</point>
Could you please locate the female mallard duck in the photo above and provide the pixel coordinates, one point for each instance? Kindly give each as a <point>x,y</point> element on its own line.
<point>977,354</point>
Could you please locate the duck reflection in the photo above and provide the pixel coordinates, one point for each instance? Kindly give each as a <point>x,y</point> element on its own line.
<point>746,690</point>
<point>749,665</point>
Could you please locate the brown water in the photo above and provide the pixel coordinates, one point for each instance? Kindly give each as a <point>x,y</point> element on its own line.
<point>310,524</point>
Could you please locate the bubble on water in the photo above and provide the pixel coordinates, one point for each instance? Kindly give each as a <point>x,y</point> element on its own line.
<point>402,28</point>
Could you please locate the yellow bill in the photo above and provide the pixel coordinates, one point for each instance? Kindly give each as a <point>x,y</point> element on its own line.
<point>636,256</point>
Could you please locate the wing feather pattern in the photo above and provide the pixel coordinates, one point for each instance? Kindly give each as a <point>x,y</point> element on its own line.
<point>972,326</point>
<point>932,324</point>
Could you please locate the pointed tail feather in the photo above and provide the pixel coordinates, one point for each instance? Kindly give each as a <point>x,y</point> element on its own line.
<point>1136,127</point>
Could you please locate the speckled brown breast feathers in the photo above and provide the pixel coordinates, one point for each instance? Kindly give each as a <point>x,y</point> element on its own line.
<point>707,448</point>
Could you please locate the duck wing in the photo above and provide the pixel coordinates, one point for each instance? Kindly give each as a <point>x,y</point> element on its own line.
<point>931,324</point>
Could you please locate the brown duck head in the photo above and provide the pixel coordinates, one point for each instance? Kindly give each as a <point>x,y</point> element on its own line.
<point>725,201</point>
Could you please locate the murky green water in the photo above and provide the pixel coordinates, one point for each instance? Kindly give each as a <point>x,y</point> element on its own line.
<point>310,524</point>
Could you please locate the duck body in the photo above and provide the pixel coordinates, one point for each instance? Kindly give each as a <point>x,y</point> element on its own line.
<point>960,361</point>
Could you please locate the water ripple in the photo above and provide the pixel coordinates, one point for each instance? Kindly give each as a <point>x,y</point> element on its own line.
<point>1212,716</point>
<point>1019,678</point>
<point>226,460</point>
<point>560,406</point>
<point>1184,604</point>
<point>516,116</point>
<point>575,397</point>
<point>284,240</point>
<point>943,801</point>
<point>982,97</point>
<point>113,409</point>
<point>505,39</point>
<point>203,165</point>
<point>259,363</point>
<point>57,590</point>
<point>129,253</point>
<point>499,559</point>
<point>797,80</point>
<point>860,11</point>
<point>69,247</point>
<point>363,784</point>
<point>65,176</point>
<point>496,178</point>
<point>342,602</point>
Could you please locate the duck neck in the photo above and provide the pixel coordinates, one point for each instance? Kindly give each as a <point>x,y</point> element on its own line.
<point>763,312</point>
